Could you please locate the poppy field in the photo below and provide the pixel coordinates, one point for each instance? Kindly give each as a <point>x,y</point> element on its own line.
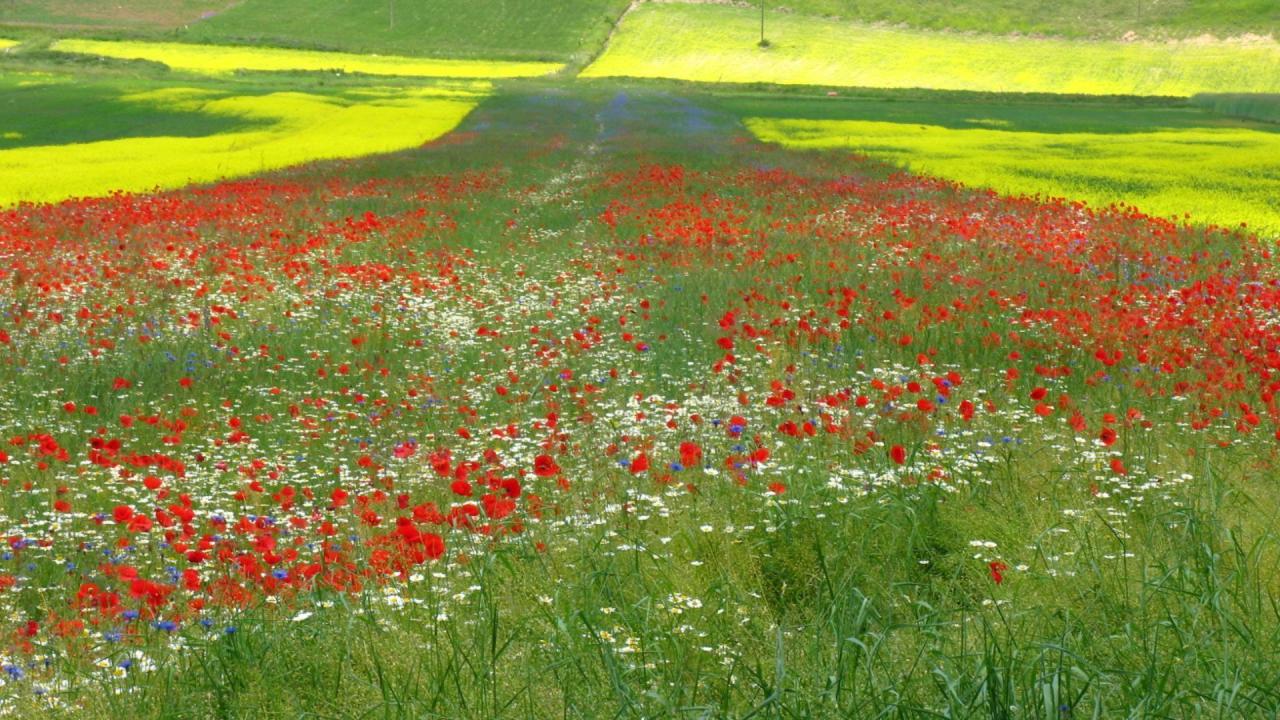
<point>598,405</point>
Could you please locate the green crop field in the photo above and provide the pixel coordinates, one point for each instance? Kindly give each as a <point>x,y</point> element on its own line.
<point>1249,106</point>
<point>361,361</point>
<point>560,30</point>
<point>717,44</point>
<point>557,31</point>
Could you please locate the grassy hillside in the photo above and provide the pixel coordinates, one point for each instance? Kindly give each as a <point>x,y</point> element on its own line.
<point>501,29</point>
<point>716,43</point>
<point>1068,18</point>
<point>458,28</point>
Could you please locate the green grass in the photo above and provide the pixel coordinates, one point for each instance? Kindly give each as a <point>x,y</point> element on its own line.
<point>1109,19</point>
<point>561,30</point>
<point>1166,161</point>
<point>714,43</point>
<point>223,59</point>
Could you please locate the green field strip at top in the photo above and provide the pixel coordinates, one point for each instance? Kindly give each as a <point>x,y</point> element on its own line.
<point>715,43</point>
<point>484,29</point>
<point>223,59</point>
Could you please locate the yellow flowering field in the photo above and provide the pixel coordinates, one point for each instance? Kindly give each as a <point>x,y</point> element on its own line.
<point>286,128</point>
<point>716,43</point>
<point>1222,175</point>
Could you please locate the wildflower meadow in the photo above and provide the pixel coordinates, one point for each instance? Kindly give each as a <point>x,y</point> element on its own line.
<point>337,396</point>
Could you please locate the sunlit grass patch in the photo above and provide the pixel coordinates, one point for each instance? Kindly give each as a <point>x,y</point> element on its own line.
<point>714,43</point>
<point>221,59</point>
<point>1219,175</point>
<point>293,128</point>
<point>6,44</point>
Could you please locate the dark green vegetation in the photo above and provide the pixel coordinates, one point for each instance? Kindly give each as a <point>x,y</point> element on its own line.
<point>39,110</point>
<point>960,110</point>
<point>1254,107</point>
